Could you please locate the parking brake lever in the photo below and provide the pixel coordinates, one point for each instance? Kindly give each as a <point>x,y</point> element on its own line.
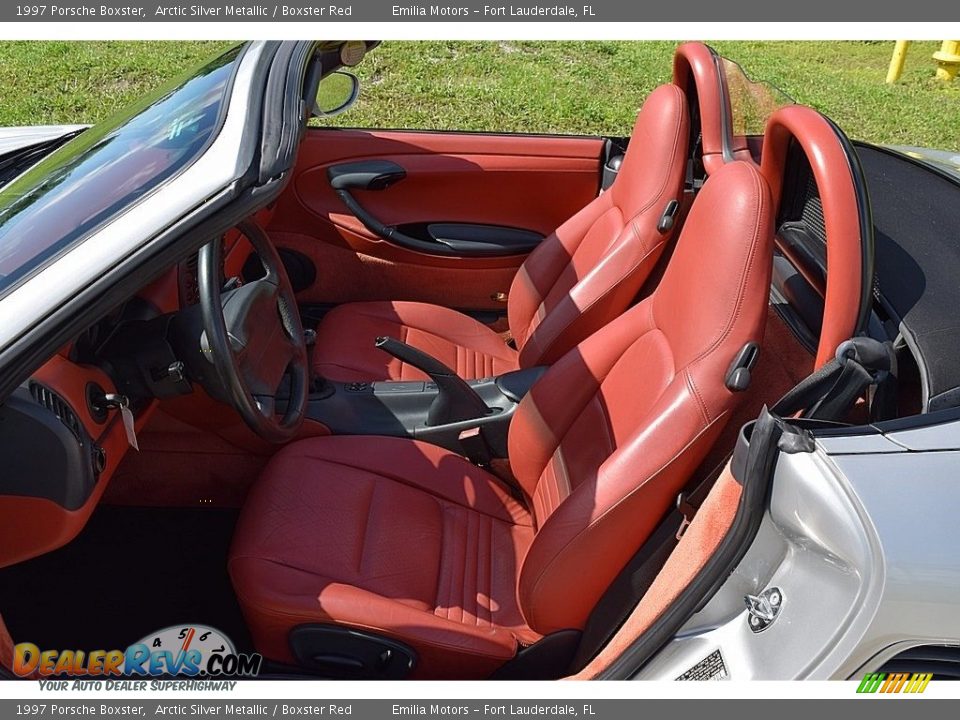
<point>455,400</point>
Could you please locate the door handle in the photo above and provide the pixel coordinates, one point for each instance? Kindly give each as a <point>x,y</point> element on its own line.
<point>452,239</point>
<point>376,175</point>
<point>365,175</point>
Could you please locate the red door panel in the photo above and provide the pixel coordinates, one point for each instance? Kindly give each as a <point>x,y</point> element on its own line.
<point>529,182</point>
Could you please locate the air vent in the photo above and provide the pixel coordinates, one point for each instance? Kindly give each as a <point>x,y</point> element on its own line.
<point>58,406</point>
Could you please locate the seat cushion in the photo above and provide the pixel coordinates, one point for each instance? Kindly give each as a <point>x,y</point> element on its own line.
<point>387,535</point>
<point>345,338</point>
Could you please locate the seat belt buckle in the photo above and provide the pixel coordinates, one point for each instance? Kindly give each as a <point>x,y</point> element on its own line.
<point>688,511</point>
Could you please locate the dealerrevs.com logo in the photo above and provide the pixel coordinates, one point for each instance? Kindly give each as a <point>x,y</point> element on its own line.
<point>181,650</point>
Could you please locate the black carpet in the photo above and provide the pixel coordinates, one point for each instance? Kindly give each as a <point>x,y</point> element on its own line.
<point>130,572</point>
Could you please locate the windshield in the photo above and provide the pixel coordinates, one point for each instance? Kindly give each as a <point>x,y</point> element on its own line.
<point>751,102</point>
<point>95,176</point>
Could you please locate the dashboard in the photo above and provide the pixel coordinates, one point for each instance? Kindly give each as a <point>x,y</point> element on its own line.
<point>62,439</point>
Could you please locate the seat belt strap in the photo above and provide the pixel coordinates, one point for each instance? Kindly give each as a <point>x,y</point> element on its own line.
<point>829,392</point>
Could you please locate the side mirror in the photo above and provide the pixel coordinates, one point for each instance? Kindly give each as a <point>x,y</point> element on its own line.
<point>336,93</point>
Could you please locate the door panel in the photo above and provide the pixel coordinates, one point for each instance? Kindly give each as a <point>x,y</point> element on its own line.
<point>516,181</point>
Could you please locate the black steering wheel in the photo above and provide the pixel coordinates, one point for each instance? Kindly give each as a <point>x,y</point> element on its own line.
<point>254,337</point>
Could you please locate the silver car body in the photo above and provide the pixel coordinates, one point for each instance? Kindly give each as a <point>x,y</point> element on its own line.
<point>15,138</point>
<point>860,537</point>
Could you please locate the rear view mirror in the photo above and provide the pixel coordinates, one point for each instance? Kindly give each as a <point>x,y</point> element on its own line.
<point>336,93</point>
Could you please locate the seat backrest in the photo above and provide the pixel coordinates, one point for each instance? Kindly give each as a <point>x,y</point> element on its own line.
<point>612,432</point>
<point>592,267</point>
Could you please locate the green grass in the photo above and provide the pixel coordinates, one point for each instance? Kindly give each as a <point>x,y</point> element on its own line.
<point>83,82</point>
<point>568,87</point>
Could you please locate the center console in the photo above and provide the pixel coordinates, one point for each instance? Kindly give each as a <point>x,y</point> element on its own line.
<point>468,417</point>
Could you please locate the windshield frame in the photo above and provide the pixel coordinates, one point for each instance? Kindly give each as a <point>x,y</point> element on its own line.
<point>63,244</point>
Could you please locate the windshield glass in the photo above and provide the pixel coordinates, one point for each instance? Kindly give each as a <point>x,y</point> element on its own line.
<point>92,178</point>
<point>751,102</point>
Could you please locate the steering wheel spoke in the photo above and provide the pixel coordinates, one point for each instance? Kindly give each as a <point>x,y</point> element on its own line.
<point>256,339</point>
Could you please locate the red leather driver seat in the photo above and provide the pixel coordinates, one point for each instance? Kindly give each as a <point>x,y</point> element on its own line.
<point>412,542</point>
<point>575,282</point>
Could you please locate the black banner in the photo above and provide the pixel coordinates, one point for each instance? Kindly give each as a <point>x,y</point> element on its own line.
<point>471,11</point>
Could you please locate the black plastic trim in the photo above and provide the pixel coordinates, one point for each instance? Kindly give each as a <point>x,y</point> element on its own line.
<point>791,318</point>
<point>497,240</point>
<point>437,131</point>
<point>517,383</point>
<point>48,452</point>
<point>941,660</point>
<point>94,396</point>
<point>725,130</point>
<point>865,217</point>
<point>547,659</point>
<point>338,651</point>
<point>470,239</point>
<point>929,166</point>
<point>456,401</point>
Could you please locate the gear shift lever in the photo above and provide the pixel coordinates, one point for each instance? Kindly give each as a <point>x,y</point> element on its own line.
<point>455,401</point>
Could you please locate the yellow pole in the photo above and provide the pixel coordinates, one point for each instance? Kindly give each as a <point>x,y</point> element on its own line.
<point>896,62</point>
<point>948,60</point>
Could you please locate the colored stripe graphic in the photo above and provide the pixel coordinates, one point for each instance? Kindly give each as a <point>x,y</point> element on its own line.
<point>894,683</point>
<point>871,682</point>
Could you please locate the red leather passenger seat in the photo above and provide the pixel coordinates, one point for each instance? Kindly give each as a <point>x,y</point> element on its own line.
<point>412,542</point>
<point>576,281</point>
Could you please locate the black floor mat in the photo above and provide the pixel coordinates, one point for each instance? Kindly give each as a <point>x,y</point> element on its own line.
<point>130,572</point>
